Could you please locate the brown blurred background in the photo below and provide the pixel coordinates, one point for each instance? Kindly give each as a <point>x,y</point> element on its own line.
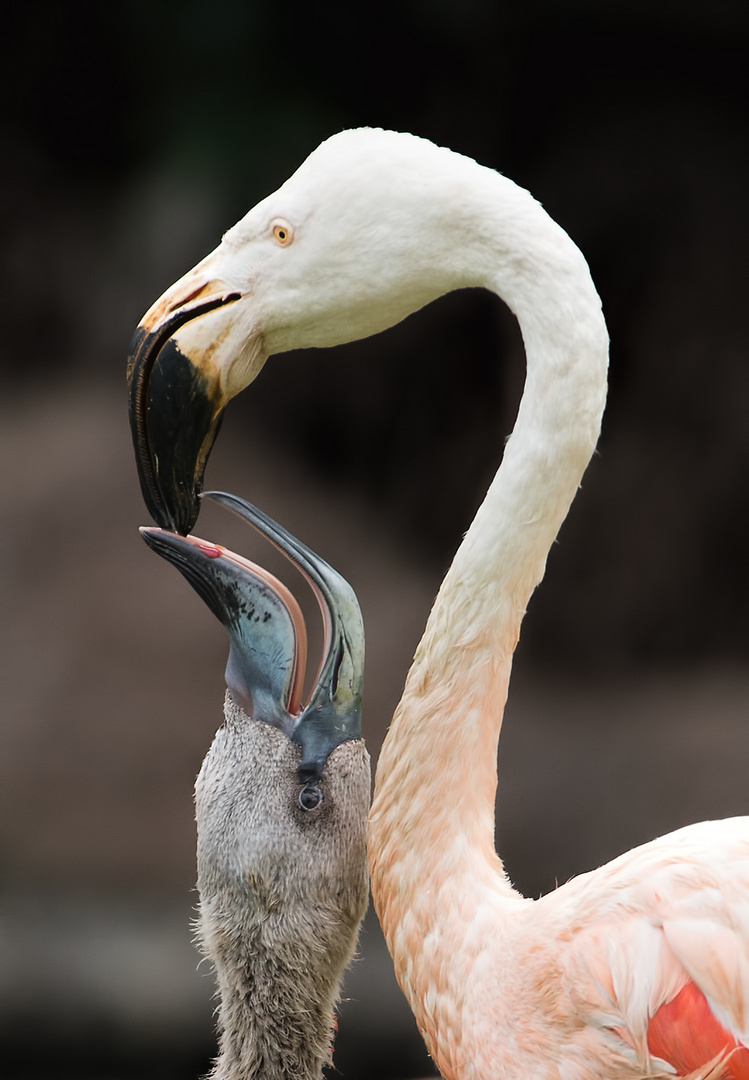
<point>132,136</point>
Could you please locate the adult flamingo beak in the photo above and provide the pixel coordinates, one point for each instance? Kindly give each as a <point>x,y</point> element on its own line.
<point>178,372</point>
<point>267,658</point>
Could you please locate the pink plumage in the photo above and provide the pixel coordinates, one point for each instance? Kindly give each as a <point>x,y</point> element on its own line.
<point>639,969</point>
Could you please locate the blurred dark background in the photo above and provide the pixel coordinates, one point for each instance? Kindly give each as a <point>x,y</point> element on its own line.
<point>133,135</point>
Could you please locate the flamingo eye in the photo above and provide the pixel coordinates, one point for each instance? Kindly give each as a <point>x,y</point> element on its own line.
<point>283,234</point>
<point>310,797</point>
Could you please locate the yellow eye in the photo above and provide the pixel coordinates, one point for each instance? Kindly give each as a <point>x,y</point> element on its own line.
<point>283,233</point>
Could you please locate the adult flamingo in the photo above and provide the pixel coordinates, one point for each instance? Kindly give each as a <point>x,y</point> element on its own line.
<point>638,969</point>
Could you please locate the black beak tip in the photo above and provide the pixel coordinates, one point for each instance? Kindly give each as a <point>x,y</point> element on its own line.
<point>175,414</point>
<point>181,518</point>
<point>175,417</point>
<point>177,515</point>
<point>158,539</point>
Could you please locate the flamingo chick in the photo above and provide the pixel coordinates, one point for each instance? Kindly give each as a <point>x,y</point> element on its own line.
<point>281,806</point>
<point>638,969</point>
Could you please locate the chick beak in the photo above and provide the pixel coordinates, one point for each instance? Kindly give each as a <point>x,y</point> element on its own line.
<point>265,672</point>
<point>268,639</point>
<point>176,391</point>
<point>332,714</point>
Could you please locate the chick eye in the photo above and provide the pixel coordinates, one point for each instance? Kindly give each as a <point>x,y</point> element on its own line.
<point>310,797</point>
<point>282,233</point>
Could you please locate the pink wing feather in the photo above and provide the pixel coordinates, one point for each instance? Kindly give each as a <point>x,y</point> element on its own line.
<point>659,949</point>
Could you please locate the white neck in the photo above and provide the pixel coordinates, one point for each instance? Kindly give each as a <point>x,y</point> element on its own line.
<point>432,821</point>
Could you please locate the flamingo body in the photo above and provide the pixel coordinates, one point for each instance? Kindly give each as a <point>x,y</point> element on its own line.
<point>639,969</point>
<point>649,959</point>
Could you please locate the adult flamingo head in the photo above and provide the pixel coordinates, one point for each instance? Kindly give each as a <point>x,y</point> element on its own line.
<point>372,226</point>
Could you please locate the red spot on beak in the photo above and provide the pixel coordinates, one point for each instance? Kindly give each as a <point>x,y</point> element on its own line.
<point>211,550</point>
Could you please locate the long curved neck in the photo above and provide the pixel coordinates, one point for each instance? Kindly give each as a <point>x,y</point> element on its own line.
<point>432,819</point>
